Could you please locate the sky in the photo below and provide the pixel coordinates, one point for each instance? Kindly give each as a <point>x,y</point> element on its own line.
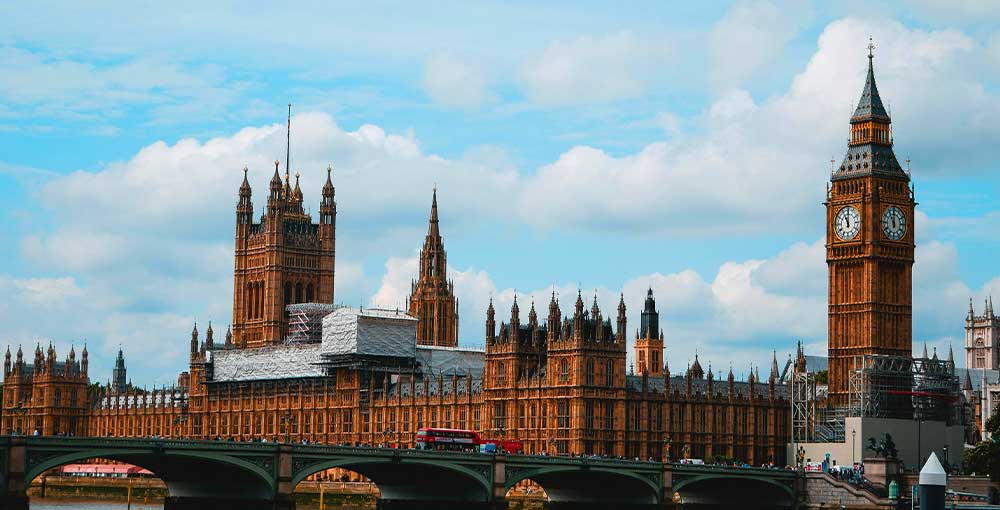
<point>575,146</point>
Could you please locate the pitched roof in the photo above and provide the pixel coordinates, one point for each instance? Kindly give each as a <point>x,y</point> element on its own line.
<point>870,104</point>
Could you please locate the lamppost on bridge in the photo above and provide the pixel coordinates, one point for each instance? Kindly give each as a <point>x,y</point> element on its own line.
<point>21,412</point>
<point>286,421</point>
<point>800,457</point>
<point>179,420</point>
<point>667,443</point>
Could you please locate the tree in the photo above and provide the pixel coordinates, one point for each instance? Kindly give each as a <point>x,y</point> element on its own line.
<point>984,458</point>
<point>993,428</point>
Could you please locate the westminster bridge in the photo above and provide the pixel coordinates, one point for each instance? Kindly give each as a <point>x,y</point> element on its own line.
<point>250,476</point>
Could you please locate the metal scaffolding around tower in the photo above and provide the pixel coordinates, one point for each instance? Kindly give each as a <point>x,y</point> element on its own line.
<point>803,407</point>
<point>305,322</point>
<point>905,388</point>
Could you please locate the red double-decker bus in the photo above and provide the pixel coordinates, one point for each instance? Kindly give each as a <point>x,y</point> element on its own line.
<point>447,439</point>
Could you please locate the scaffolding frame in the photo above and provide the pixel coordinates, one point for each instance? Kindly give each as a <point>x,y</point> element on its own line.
<point>879,386</point>
<point>803,407</point>
<point>305,322</point>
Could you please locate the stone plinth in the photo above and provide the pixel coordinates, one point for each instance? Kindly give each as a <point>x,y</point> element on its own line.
<point>881,471</point>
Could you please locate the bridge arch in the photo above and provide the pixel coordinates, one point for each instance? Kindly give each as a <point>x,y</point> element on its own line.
<point>593,484</point>
<point>410,479</point>
<point>185,473</point>
<point>723,490</point>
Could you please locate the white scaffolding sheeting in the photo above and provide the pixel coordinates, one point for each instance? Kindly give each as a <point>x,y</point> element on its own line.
<point>283,362</point>
<point>371,332</point>
<point>451,361</point>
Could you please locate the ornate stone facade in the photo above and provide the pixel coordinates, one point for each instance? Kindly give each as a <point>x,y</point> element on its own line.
<point>869,246</point>
<point>282,260</point>
<point>982,336</point>
<point>558,384</point>
<point>47,397</point>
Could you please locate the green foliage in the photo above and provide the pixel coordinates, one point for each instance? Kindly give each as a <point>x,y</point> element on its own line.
<point>985,457</point>
<point>977,460</point>
<point>823,377</point>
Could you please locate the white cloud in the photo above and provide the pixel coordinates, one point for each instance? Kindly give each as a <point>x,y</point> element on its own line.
<point>39,84</point>
<point>453,81</point>
<point>750,36</point>
<point>151,236</point>
<point>47,290</point>
<point>763,166</point>
<point>593,69</point>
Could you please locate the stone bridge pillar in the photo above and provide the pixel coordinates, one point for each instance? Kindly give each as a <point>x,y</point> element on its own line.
<point>499,499</point>
<point>667,489</point>
<point>15,496</point>
<point>283,499</point>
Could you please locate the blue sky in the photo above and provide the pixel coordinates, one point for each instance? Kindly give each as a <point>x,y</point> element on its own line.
<point>684,147</point>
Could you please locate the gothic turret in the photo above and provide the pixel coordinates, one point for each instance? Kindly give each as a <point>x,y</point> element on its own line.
<point>649,324</point>
<point>696,370</point>
<point>6,362</point>
<point>84,361</point>
<point>244,208</point>
<point>774,366</point>
<point>622,321</point>
<point>118,376</point>
<point>555,318</point>
<point>194,340</point>
<point>275,198</point>
<point>491,324</point>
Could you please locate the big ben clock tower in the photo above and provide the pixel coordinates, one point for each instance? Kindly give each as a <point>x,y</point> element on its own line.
<point>869,246</point>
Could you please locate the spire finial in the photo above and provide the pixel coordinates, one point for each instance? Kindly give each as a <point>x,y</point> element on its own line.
<point>871,48</point>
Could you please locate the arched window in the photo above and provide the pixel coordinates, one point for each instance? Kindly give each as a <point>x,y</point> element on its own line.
<point>501,373</point>
<point>590,372</point>
<point>299,297</point>
<point>563,370</point>
<point>309,293</point>
<point>609,373</point>
<point>288,293</point>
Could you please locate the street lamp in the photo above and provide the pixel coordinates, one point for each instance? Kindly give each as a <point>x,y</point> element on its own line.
<point>178,421</point>
<point>21,412</point>
<point>286,420</point>
<point>667,443</point>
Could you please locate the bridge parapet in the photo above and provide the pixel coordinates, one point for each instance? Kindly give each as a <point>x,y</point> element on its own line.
<point>222,474</point>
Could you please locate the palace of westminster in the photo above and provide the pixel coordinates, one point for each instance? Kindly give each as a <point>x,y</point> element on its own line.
<point>295,366</point>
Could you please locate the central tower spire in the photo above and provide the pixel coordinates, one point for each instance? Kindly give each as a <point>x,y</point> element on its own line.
<point>432,295</point>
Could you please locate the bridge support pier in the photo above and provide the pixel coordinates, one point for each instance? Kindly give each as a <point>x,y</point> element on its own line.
<point>401,504</point>
<point>198,503</point>
<point>15,496</point>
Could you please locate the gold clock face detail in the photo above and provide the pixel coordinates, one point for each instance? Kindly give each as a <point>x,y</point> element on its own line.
<point>847,224</point>
<point>894,223</point>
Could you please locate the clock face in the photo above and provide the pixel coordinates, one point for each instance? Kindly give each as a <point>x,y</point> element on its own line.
<point>894,223</point>
<point>847,223</point>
